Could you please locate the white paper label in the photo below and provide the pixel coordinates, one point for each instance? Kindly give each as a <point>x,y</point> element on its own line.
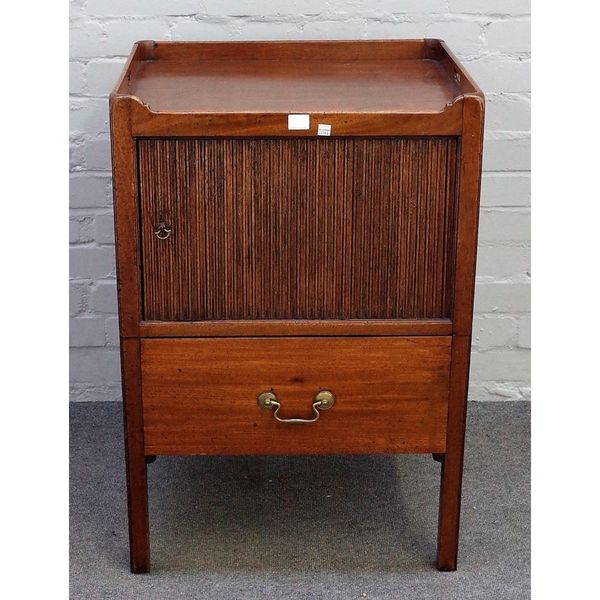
<point>298,122</point>
<point>324,129</point>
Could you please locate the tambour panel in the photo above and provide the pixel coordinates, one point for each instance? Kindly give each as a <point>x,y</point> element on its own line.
<point>296,228</point>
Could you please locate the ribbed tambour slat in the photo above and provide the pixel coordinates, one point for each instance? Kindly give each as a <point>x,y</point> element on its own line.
<point>341,228</point>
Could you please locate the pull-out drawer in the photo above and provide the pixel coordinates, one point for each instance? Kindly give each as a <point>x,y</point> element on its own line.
<point>200,396</point>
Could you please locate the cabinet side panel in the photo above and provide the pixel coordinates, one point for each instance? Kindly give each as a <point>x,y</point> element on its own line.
<point>125,199</point>
<point>348,228</point>
<point>468,214</point>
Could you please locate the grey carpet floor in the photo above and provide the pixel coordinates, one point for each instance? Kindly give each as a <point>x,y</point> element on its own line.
<point>302,527</point>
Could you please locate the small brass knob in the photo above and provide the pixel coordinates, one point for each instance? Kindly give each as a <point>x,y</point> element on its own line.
<point>163,231</point>
<point>266,399</point>
<point>326,399</point>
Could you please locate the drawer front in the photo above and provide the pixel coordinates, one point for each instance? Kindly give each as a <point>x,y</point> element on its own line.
<point>297,228</point>
<point>200,395</point>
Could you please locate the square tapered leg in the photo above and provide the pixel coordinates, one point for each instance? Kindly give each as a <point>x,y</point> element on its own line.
<point>135,460</point>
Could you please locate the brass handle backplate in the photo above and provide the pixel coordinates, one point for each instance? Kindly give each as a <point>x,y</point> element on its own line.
<point>163,231</point>
<point>322,401</point>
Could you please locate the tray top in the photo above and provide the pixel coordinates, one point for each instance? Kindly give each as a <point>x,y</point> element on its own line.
<point>293,86</point>
<point>388,76</point>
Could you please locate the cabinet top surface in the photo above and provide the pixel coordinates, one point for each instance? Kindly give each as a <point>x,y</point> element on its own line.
<point>410,76</point>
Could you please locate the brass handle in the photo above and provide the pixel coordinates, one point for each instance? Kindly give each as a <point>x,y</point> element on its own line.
<point>323,400</point>
<point>163,231</point>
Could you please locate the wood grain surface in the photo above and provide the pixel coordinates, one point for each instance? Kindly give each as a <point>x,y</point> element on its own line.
<point>296,263</point>
<point>452,467</point>
<point>376,87</point>
<point>293,86</point>
<point>126,211</point>
<point>298,229</point>
<point>135,461</point>
<point>200,395</point>
<point>260,328</point>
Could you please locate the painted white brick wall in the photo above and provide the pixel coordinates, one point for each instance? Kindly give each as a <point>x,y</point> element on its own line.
<point>492,38</point>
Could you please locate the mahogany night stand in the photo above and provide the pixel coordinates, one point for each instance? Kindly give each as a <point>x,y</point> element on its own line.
<point>296,229</point>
